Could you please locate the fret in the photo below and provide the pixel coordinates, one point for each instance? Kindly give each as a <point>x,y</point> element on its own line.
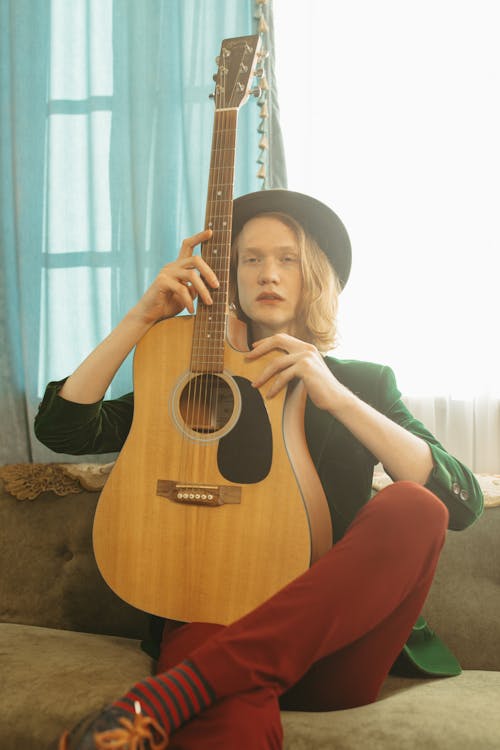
<point>216,317</point>
<point>222,175</point>
<point>207,331</point>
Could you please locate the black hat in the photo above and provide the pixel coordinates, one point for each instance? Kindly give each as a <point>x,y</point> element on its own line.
<point>315,217</point>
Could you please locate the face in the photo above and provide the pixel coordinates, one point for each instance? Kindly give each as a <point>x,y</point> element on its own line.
<point>269,276</point>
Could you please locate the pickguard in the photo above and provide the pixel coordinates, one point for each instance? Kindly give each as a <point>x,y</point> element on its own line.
<point>245,454</point>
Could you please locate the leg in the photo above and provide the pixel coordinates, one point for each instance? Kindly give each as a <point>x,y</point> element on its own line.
<point>353,676</point>
<point>247,721</point>
<point>376,578</point>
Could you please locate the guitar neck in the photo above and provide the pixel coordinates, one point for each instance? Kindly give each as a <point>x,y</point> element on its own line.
<point>210,325</point>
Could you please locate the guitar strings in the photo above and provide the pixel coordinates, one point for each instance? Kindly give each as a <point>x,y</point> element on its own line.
<point>213,313</point>
<point>204,395</point>
<point>200,406</point>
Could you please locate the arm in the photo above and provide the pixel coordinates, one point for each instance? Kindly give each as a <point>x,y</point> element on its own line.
<point>403,454</point>
<point>385,427</point>
<point>174,289</point>
<point>73,418</point>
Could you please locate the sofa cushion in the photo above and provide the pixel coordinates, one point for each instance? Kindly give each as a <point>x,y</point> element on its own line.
<point>52,678</point>
<point>454,713</point>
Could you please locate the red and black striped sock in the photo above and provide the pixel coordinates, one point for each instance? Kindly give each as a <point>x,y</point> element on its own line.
<point>172,697</point>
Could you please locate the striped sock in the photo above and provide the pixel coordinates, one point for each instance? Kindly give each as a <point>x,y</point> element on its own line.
<point>172,697</point>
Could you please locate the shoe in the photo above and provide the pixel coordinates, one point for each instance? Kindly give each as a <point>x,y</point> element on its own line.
<point>115,729</point>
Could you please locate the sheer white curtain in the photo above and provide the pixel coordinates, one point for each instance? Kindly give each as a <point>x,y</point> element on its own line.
<point>390,114</point>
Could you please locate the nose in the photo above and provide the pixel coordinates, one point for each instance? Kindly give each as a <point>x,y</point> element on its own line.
<point>268,272</point>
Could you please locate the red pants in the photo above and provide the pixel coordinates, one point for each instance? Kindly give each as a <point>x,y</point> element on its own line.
<point>327,640</point>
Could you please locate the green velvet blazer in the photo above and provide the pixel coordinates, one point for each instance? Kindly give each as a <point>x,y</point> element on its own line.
<point>344,465</point>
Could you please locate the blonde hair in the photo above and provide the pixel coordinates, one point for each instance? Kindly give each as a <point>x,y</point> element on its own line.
<point>317,314</point>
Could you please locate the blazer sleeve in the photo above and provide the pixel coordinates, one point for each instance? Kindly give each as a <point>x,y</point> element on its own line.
<point>450,479</point>
<point>78,429</point>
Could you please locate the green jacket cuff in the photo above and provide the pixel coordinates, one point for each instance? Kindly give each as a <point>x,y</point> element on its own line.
<point>457,487</point>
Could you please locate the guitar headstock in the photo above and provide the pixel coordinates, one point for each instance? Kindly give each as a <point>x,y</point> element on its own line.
<point>236,70</point>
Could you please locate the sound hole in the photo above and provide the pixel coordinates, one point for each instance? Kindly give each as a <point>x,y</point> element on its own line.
<point>206,403</point>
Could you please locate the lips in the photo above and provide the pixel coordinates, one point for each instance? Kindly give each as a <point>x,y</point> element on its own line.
<point>269,297</point>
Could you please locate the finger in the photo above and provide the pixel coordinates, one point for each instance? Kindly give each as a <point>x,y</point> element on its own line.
<point>194,282</point>
<point>190,296</point>
<point>185,295</point>
<point>189,244</point>
<point>281,342</point>
<point>209,276</point>
<point>196,262</point>
<point>263,346</point>
<point>185,282</point>
<point>198,289</point>
<point>275,367</point>
<point>281,381</point>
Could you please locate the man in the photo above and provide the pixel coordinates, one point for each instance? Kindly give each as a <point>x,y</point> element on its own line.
<point>328,639</point>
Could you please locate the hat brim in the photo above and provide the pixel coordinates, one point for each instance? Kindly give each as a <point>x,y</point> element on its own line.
<point>314,216</point>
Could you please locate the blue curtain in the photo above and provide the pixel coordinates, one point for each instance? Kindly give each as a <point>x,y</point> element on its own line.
<point>104,159</point>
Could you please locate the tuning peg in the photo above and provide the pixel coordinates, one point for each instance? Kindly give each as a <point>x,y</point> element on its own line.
<point>259,72</point>
<point>256,92</point>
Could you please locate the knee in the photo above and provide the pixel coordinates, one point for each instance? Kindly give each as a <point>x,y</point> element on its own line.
<point>414,508</point>
<point>424,503</point>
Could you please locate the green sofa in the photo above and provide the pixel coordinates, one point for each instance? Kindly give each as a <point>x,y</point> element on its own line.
<point>68,644</point>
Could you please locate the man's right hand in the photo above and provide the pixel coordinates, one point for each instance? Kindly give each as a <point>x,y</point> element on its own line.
<point>178,284</point>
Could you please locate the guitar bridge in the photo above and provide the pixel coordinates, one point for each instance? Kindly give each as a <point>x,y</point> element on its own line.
<point>198,494</point>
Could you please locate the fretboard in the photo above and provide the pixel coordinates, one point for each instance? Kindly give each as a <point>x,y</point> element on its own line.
<point>210,325</point>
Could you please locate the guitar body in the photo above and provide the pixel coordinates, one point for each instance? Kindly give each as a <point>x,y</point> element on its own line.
<point>200,562</point>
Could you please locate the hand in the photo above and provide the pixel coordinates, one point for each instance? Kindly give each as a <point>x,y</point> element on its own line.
<point>178,284</point>
<point>299,360</point>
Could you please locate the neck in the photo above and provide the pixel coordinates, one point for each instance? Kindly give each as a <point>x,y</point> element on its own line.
<point>210,323</point>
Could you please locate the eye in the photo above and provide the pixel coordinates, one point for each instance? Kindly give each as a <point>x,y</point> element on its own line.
<point>290,259</point>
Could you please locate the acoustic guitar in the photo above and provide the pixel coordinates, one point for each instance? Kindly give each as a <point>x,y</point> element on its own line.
<point>213,503</point>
